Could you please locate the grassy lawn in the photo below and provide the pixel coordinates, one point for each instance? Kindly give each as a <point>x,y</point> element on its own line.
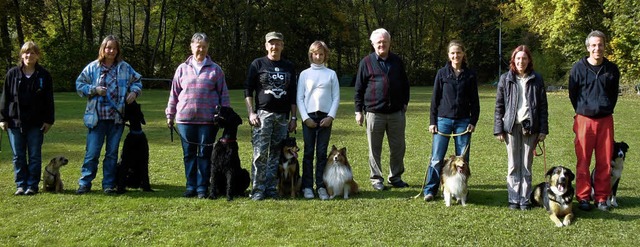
<point>387,218</point>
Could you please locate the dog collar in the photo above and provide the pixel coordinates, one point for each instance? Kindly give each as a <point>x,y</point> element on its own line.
<point>226,140</point>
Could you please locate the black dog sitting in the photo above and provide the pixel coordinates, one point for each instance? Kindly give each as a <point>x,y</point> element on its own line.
<point>227,176</point>
<point>133,167</point>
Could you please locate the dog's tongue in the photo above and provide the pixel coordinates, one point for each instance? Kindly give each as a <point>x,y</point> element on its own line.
<point>295,154</point>
<point>560,187</point>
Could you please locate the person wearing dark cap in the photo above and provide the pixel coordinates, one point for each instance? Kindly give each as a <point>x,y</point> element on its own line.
<point>270,96</point>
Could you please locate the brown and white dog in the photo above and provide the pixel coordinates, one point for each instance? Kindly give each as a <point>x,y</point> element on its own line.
<point>455,174</point>
<point>338,177</point>
<point>289,181</point>
<point>51,175</point>
<point>556,195</point>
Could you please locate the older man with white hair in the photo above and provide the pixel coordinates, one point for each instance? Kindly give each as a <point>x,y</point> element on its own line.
<point>382,96</point>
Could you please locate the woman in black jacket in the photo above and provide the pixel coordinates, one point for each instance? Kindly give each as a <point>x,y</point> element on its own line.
<point>27,113</point>
<point>521,121</point>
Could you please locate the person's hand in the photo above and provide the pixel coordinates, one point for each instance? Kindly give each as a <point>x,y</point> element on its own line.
<point>541,137</point>
<point>471,128</point>
<point>170,122</point>
<point>254,120</point>
<point>3,126</point>
<point>310,123</point>
<point>433,129</point>
<point>45,128</point>
<point>359,118</point>
<point>102,91</point>
<point>293,125</point>
<point>131,97</point>
<point>500,137</point>
<point>326,122</point>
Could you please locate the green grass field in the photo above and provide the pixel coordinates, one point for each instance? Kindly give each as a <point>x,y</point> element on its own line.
<point>387,218</point>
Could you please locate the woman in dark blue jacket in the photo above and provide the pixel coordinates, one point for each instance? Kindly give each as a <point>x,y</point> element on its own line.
<point>521,121</point>
<point>27,113</point>
<point>455,107</point>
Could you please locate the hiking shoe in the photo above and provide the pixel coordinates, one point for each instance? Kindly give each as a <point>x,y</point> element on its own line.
<point>513,206</point>
<point>308,193</point>
<point>189,194</point>
<point>110,191</point>
<point>30,192</point>
<point>202,195</point>
<point>602,206</point>
<point>19,192</point>
<point>525,207</point>
<point>399,184</point>
<point>322,193</point>
<point>428,197</point>
<point>585,205</point>
<point>83,189</point>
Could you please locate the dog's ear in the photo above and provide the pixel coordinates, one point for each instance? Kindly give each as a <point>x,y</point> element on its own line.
<point>333,148</point>
<point>343,151</point>
<point>625,146</point>
<point>570,174</point>
<point>550,172</point>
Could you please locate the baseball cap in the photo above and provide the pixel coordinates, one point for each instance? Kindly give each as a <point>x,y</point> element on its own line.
<point>273,35</point>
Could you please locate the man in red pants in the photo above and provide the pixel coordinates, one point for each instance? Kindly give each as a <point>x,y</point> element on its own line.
<point>593,90</point>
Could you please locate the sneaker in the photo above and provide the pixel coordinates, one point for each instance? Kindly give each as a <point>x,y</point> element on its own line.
<point>584,205</point>
<point>322,193</point>
<point>19,192</point>
<point>189,193</point>
<point>83,189</point>
<point>30,192</point>
<point>308,193</point>
<point>257,196</point>
<point>202,195</point>
<point>399,184</point>
<point>110,191</point>
<point>513,206</point>
<point>428,197</point>
<point>602,206</point>
<point>378,186</point>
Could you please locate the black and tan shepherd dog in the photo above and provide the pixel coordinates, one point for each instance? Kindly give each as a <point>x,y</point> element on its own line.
<point>133,167</point>
<point>227,176</point>
<point>556,195</point>
<point>289,180</point>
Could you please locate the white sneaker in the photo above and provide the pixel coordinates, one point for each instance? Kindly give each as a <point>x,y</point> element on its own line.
<point>308,193</point>
<point>322,193</point>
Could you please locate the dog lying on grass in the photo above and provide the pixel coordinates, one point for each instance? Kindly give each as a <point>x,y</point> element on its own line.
<point>556,195</point>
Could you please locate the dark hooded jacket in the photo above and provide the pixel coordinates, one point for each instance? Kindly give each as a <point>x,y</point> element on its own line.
<point>594,94</point>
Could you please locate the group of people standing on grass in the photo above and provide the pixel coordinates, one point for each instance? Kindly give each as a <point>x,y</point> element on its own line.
<point>274,94</point>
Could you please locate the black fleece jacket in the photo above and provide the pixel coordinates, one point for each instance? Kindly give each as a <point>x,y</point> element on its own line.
<point>27,102</point>
<point>594,94</point>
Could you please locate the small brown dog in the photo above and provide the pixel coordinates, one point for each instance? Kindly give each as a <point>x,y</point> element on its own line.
<point>338,177</point>
<point>289,181</point>
<point>455,174</point>
<point>51,175</point>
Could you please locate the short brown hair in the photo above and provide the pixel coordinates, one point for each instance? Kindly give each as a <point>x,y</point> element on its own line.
<point>315,47</point>
<point>28,46</point>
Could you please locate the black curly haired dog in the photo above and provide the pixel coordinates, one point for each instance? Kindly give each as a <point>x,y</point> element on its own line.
<point>227,176</point>
<point>133,168</point>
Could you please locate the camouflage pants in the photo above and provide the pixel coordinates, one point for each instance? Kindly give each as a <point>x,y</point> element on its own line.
<point>266,151</point>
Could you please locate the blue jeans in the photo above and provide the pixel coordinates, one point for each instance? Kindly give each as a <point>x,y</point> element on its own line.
<point>439,149</point>
<point>111,132</point>
<point>197,157</point>
<point>23,140</point>
<point>316,139</point>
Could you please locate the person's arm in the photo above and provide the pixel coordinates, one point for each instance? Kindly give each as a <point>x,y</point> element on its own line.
<point>498,122</point>
<point>49,117</point>
<point>135,85</point>
<point>475,103</point>
<point>84,83</point>
<point>174,93</point>
<point>435,103</point>
<point>360,90</point>
<point>574,87</point>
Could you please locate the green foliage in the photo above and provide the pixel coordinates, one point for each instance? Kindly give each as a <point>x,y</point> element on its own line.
<point>164,218</point>
<point>625,29</point>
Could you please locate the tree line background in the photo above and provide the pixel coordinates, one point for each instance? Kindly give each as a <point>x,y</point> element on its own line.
<point>155,35</point>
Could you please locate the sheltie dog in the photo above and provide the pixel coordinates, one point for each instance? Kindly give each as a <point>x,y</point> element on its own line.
<point>338,177</point>
<point>455,174</point>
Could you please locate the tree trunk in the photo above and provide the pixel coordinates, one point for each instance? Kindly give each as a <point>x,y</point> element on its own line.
<point>5,53</point>
<point>163,22</point>
<point>87,27</point>
<point>104,18</point>
<point>62,24</point>
<point>18,19</point>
